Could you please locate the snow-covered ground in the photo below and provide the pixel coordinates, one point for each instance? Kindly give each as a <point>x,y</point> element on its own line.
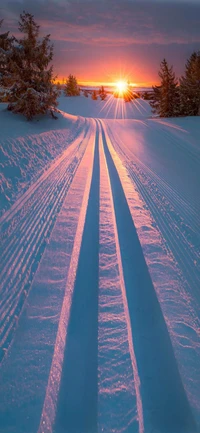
<point>28,148</point>
<point>110,108</point>
<point>100,271</point>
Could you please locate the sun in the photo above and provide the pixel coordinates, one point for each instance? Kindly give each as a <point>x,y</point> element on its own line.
<point>121,86</point>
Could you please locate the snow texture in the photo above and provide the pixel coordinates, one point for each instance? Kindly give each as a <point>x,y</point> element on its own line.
<point>100,271</point>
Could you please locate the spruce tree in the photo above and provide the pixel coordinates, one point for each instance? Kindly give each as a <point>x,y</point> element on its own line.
<point>33,91</point>
<point>58,86</point>
<point>94,95</point>
<point>102,93</point>
<point>147,96</point>
<point>6,55</point>
<point>71,86</point>
<point>155,99</point>
<point>190,87</point>
<point>165,98</point>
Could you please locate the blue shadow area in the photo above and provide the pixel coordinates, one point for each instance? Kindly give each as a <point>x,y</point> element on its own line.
<point>77,401</point>
<point>165,405</point>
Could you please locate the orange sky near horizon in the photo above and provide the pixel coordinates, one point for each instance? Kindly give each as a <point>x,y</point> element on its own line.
<point>102,42</point>
<point>122,68</point>
<point>105,83</point>
<point>137,73</point>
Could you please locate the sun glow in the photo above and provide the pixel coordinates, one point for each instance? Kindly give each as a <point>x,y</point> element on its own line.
<point>121,86</point>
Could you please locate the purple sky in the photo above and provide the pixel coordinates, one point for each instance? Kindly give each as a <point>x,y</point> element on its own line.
<point>99,40</point>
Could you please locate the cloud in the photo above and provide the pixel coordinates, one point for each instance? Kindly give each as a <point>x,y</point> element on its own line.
<point>113,22</point>
<point>98,32</point>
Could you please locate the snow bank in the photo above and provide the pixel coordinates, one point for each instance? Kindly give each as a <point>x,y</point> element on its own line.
<point>27,148</point>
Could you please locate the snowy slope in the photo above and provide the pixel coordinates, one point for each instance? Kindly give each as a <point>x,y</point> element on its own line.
<point>100,276</point>
<point>27,148</point>
<point>168,229</point>
<point>111,108</point>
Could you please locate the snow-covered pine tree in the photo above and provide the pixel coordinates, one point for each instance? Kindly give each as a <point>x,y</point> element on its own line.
<point>165,98</point>
<point>190,86</point>
<point>6,54</point>
<point>197,82</point>
<point>94,95</point>
<point>102,93</point>
<point>71,86</point>
<point>33,91</point>
<point>58,86</point>
<point>155,99</point>
<point>147,96</point>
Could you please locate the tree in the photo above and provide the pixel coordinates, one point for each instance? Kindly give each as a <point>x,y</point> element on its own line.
<point>165,98</point>
<point>33,91</point>
<point>94,95</point>
<point>71,86</point>
<point>190,87</point>
<point>6,54</point>
<point>137,95</point>
<point>85,93</point>
<point>102,93</point>
<point>155,99</point>
<point>128,94</point>
<point>147,96</point>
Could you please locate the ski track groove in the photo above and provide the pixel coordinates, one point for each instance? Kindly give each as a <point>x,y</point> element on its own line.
<point>18,253</point>
<point>175,240</point>
<point>56,392</point>
<point>146,340</point>
<point>176,199</point>
<point>194,154</point>
<point>116,308</point>
<point>39,209</point>
<point>30,235</point>
<point>20,202</point>
<point>28,225</point>
<point>21,205</point>
<point>24,262</point>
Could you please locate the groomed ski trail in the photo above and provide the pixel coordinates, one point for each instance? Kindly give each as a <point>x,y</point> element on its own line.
<point>177,220</point>
<point>25,230</point>
<point>72,249</point>
<point>160,381</point>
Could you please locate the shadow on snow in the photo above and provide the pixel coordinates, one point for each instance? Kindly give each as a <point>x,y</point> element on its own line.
<point>165,405</point>
<point>77,401</point>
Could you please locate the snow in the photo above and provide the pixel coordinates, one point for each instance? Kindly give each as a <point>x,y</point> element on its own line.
<point>180,309</point>
<point>27,149</point>
<point>111,108</point>
<point>100,271</point>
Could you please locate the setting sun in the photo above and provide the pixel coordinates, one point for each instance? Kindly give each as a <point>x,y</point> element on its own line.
<point>121,86</point>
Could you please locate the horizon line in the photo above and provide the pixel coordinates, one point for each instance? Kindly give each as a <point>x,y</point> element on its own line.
<point>106,83</point>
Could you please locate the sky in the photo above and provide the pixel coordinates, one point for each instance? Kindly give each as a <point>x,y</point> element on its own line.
<point>107,40</point>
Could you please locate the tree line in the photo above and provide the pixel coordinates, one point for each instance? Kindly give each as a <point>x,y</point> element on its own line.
<point>175,97</point>
<point>71,88</point>
<point>28,83</point>
<point>95,93</point>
